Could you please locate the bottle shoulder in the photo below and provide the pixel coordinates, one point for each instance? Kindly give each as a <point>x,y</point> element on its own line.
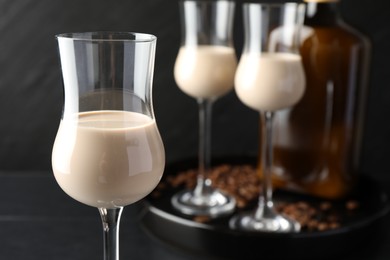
<point>340,32</point>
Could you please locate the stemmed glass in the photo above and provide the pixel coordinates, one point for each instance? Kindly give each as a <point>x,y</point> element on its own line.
<point>108,152</point>
<point>205,69</point>
<point>269,77</point>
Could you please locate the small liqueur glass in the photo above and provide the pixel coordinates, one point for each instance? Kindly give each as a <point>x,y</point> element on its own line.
<point>108,152</point>
<point>205,69</point>
<point>270,77</point>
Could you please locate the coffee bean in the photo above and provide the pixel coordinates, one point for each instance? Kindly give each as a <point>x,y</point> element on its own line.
<point>243,183</point>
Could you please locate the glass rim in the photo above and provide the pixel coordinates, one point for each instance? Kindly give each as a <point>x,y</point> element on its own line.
<point>107,36</point>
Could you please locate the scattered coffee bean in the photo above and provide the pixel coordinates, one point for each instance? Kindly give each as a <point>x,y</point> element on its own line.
<point>202,219</point>
<point>352,205</point>
<point>243,183</point>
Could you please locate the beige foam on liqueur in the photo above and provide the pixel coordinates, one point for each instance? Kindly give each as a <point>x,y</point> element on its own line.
<point>317,142</point>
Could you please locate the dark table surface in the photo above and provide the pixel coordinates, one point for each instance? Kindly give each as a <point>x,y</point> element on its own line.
<point>39,221</point>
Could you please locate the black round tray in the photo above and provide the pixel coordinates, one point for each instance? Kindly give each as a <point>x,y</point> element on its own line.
<point>216,239</point>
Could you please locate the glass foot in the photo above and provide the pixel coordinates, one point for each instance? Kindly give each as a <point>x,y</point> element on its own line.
<point>213,204</point>
<point>276,223</point>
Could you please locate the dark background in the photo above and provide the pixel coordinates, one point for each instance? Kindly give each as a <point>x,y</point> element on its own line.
<point>31,89</point>
<point>38,220</point>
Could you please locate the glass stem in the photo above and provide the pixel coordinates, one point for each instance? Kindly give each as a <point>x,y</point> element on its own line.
<point>111,219</point>
<point>203,186</point>
<point>265,208</point>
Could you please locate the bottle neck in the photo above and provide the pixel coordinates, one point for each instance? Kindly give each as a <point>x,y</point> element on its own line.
<point>322,13</point>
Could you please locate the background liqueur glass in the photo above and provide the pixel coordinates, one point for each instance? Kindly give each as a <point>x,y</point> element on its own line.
<point>269,78</point>
<point>108,151</point>
<point>205,69</point>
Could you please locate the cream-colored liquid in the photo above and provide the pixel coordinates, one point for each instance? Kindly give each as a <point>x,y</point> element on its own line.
<point>108,158</point>
<point>205,71</point>
<point>270,81</point>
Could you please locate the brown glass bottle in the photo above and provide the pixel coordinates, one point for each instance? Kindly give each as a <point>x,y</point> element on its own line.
<point>317,142</point>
